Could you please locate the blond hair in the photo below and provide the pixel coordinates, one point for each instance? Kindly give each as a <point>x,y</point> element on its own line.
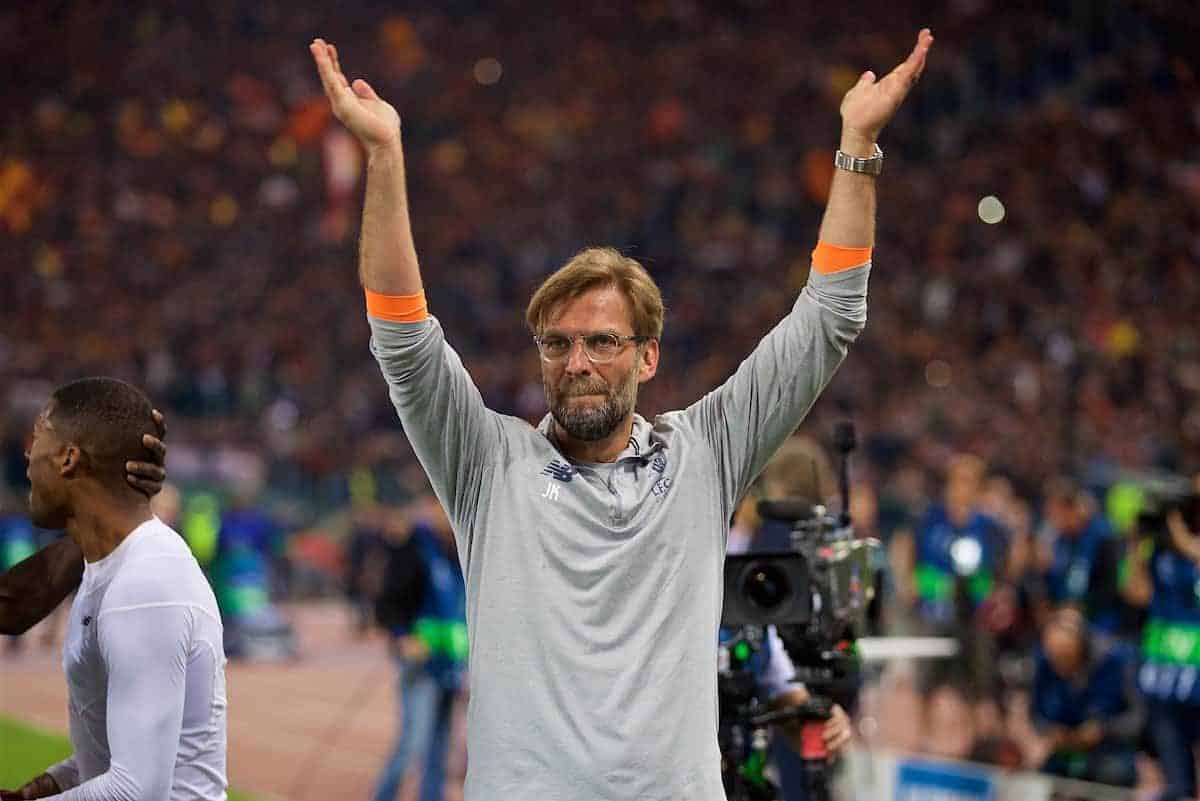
<point>801,469</point>
<point>595,268</point>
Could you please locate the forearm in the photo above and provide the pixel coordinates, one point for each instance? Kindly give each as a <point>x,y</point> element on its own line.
<point>35,586</point>
<point>65,773</point>
<point>849,219</point>
<point>387,255</point>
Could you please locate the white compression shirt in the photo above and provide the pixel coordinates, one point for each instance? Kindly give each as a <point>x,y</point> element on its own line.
<point>145,669</point>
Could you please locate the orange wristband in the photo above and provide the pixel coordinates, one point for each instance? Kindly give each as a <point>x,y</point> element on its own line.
<point>397,308</point>
<point>828,258</point>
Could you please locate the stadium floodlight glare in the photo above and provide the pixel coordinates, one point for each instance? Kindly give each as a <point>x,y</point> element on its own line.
<point>991,210</point>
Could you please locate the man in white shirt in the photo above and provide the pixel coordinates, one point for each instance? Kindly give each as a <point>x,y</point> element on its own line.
<point>143,658</point>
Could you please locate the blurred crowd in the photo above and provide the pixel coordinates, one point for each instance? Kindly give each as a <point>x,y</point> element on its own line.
<point>181,211</point>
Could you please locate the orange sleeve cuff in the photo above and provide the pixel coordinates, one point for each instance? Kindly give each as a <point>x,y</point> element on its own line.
<point>828,258</point>
<point>397,308</point>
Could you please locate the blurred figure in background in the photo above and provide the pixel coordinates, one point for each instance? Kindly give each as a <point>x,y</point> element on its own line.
<point>1080,558</point>
<point>800,469</point>
<point>956,574</point>
<point>1085,701</point>
<point>18,541</point>
<point>949,722</point>
<point>423,608</point>
<point>955,543</point>
<point>248,545</point>
<point>1164,578</point>
<point>367,551</point>
<point>18,538</point>
<point>167,505</point>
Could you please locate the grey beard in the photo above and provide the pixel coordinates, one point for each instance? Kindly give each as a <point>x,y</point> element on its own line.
<point>593,423</point>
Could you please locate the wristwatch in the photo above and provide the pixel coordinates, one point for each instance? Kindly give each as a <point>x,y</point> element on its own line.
<point>867,166</point>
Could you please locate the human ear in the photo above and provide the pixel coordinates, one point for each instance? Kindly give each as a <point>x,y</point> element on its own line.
<point>70,460</point>
<point>648,361</point>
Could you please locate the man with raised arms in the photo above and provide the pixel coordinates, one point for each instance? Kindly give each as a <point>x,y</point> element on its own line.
<point>593,544</point>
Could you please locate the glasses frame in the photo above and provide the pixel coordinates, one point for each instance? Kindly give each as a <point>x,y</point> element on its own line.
<point>623,340</point>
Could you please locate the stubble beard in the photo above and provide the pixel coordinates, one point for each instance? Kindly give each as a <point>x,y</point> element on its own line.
<point>591,422</point>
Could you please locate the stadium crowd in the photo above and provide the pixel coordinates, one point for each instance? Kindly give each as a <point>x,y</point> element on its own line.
<point>189,224</point>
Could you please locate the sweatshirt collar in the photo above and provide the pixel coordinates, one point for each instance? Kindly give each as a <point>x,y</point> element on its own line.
<point>642,442</point>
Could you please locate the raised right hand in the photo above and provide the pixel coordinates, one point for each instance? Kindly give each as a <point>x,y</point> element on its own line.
<point>370,118</point>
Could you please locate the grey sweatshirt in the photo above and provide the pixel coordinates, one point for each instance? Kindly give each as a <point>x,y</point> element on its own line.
<point>594,590</point>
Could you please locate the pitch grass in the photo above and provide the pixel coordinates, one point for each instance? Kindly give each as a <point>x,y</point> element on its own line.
<point>25,752</point>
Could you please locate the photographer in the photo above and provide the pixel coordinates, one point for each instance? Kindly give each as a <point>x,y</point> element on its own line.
<point>956,543</point>
<point>1083,700</point>
<point>1079,558</point>
<point>1164,578</point>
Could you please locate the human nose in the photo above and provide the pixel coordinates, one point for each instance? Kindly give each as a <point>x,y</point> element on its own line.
<point>577,358</point>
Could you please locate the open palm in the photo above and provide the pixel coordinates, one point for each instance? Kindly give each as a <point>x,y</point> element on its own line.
<point>369,117</point>
<point>869,105</point>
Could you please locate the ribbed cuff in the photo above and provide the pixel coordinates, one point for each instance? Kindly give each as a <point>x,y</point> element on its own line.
<point>397,308</point>
<point>827,258</point>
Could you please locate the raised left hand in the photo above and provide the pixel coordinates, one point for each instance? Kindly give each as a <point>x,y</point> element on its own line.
<point>148,477</point>
<point>869,104</point>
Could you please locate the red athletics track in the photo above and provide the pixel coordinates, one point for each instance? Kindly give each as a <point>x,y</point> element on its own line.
<point>293,733</point>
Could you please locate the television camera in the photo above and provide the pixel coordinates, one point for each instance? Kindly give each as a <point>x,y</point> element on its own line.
<point>817,596</point>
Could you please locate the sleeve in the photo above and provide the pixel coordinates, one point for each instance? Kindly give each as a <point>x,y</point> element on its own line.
<point>145,651</point>
<point>455,437</point>
<point>779,671</point>
<point>65,773</point>
<point>1037,696</point>
<point>749,416</point>
<point>1120,704</point>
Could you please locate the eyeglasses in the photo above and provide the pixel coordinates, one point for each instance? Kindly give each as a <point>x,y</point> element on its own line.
<point>600,348</point>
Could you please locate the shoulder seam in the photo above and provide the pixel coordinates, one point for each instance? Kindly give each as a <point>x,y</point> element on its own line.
<point>159,605</point>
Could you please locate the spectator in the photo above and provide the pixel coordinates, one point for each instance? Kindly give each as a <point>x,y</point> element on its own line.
<point>222,199</point>
<point>423,608</point>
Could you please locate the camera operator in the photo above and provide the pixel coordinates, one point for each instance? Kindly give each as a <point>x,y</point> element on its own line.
<point>1164,578</point>
<point>799,469</point>
<point>775,672</point>
<point>775,668</point>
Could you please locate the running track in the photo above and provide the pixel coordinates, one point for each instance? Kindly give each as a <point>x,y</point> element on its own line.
<point>312,730</point>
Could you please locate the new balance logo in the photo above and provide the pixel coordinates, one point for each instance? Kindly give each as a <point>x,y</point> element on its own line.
<point>559,470</point>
